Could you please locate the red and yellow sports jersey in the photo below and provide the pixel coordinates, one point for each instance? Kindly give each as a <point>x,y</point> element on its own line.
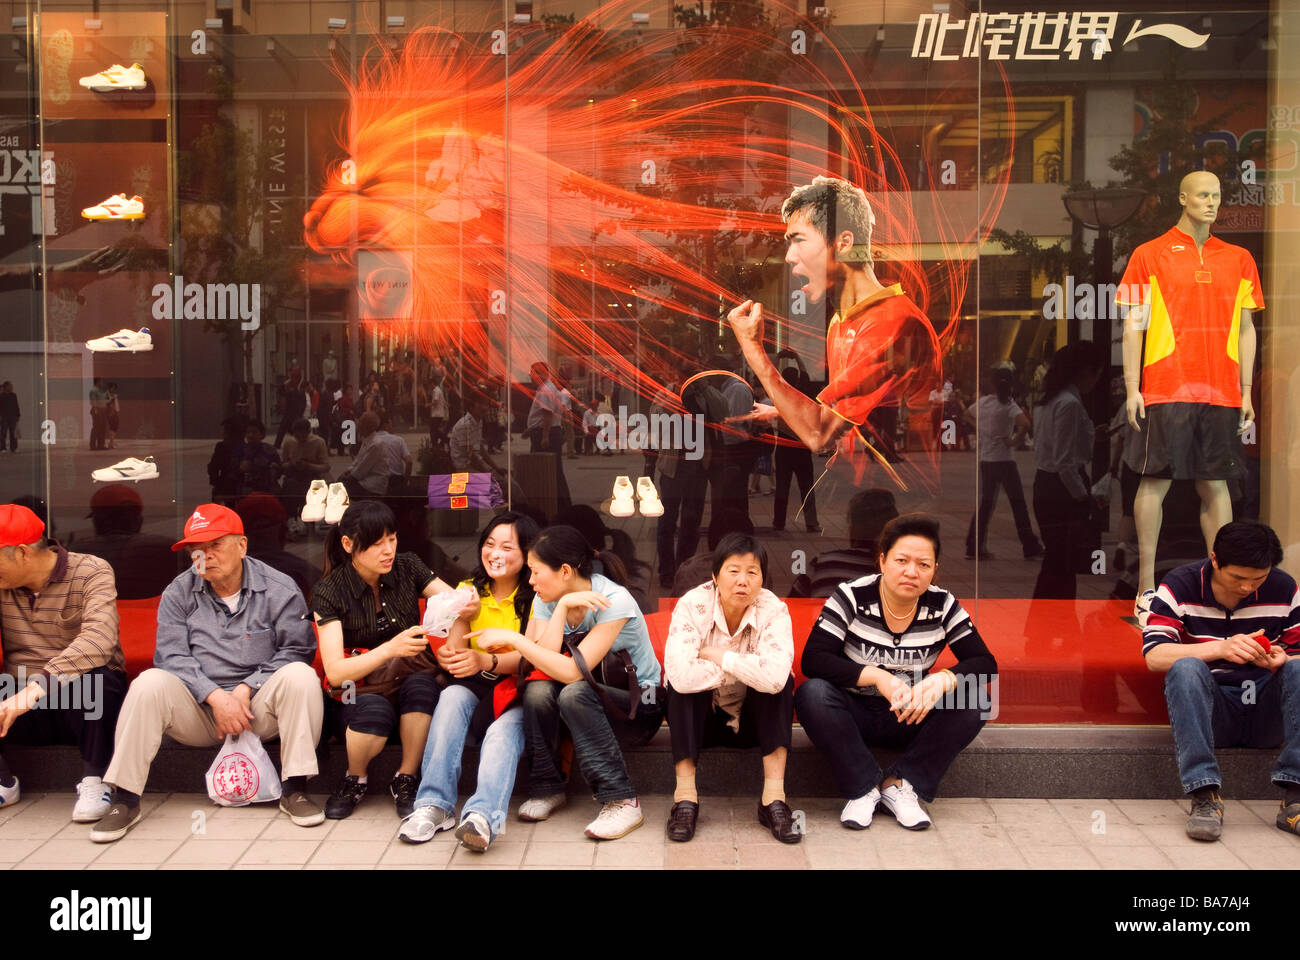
<point>1190,354</point>
<point>861,350</point>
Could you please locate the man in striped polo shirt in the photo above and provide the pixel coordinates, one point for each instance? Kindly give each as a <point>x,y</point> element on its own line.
<point>65,675</point>
<point>1226,632</point>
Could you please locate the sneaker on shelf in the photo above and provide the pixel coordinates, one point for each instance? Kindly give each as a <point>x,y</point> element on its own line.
<point>857,814</point>
<point>651,505</point>
<point>116,208</point>
<point>131,468</point>
<point>10,795</point>
<point>114,824</point>
<point>336,503</point>
<point>1142,607</point>
<point>93,800</point>
<point>1205,822</point>
<point>616,819</point>
<point>116,77</point>
<point>541,808</point>
<point>901,800</point>
<point>474,832</point>
<point>314,509</point>
<point>124,341</point>
<point>403,790</point>
<point>622,504</point>
<point>351,791</point>
<point>424,822</point>
<point>302,809</point>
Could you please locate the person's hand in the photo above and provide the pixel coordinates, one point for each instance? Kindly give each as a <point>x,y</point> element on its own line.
<point>759,413</point>
<point>471,609</point>
<point>582,600</point>
<point>494,638</point>
<point>14,707</point>
<point>712,654</point>
<point>747,323</point>
<point>408,643</point>
<point>1136,409</point>
<point>466,663</point>
<point>923,696</point>
<point>1242,648</point>
<point>231,715</point>
<point>1277,657</point>
<point>1247,413</point>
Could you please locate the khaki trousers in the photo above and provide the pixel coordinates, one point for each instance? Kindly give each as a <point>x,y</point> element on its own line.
<point>289,704</point>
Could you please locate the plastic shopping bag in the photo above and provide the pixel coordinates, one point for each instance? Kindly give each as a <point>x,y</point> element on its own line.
<point>440,612</point>
<point>242,773</point>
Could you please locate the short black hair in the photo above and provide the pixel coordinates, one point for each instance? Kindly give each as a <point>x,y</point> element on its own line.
<point>738,545</point>
<point>301,424</point>
<point>910,525</point>
<point>1247,543</point>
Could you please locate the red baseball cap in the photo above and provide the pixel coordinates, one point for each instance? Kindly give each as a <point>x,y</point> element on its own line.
<point>208,522</point>
<point>19,526</point>
<point>114,495</point>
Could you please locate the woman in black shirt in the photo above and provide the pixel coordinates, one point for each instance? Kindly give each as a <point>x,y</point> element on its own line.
<point>372,646</point>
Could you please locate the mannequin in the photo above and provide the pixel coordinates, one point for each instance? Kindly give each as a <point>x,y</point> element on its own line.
<point>1189,356</point>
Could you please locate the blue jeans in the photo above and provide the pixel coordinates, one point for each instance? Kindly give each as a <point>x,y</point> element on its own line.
<point>498,759</point>
<point>595,744</point>
<point>1205,714</point>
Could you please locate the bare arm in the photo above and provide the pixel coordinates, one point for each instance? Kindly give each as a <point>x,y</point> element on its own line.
<point>1246,354</point>
<point>1135,325</point>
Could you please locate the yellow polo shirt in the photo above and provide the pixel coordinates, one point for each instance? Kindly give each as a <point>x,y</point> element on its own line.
<point>493,613</point>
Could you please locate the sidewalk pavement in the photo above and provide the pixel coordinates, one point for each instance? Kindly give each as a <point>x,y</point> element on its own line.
<point>186,831</point>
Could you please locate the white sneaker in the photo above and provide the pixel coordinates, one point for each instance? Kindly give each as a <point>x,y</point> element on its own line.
<point>10,795</point>
<point>336,503</point>
<point>424,823</point>
<point>901,800</point>
<point>1142,607</point>
<point>651,505</point>
<point>857,814</point>
<point>93,801</point>
<point>116,208</point>
<point>124,341</point>
<point>474,833</point>
<point>540,808</point>
<point>116,77</point>
<point>129,469</point>
<point>622,504</point>
<point>314,508</point>
<point>616,819</point>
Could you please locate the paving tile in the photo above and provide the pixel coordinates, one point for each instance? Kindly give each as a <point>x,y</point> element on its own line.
<point>1040,835</point>
<point>1154,811</point>
<point>473,866</point>
<point>1024,812</point>
<point>432,854</point>
<point>844,856</point>
<point>502,853</point>
<point>966,834</point>
<point>1086,812</point>
<point>349,853</point>
<point>35,828</point>
<point>987,856</point>
<point>1109,833</point>
<point>373,829</point>
<point>915,858</point>
<point>700,853</point>
<point>131,849</point>
<point>182,806</point>
<point>340,866</point>
<point>278,852</point>
<point>12,851</point>
<point>573,853</point>
<point>254,811</point>
<point>1266,810</point>
<point>210,854</point>
<point>267,866</point>
<point>100,865</point>
<point>1191,855</point>
<point>282,828</point>
<point>67,853</point>
<point>206,867</point>
<point>221,829</point>
<point>1130,858</point>
<point>772,856</point>
<point>1058,857</point>
<point>620,854</point>
<point>958,810</point>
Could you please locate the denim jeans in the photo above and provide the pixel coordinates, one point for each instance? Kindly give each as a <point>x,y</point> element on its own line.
<point>547,703</point>
<point>843,725</point>
<point>498,759</point>
<point>1205,714</point>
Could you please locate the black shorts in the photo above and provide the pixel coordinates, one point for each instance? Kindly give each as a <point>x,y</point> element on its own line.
<point>1187,441</point>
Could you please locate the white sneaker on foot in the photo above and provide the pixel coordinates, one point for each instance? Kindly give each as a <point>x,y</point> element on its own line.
<point>857,814</point>
<point>421,825</point>
<point>474,832</point>
<point>616,819</point>
<point>93,801</point>
<point>901,800</point>
<point>10,795</point>
<point>540,808</point>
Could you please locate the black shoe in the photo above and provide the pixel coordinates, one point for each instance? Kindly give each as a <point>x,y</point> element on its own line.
<point>403,789</point>
<point>345,799</point>
<point>778,818</point>
<point>681,820</point>
<point>814,528</point>
<point>1037,551</point>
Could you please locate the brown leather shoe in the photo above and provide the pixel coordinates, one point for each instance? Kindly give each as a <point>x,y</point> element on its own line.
<point>681,820</point>
<point>778,818</point>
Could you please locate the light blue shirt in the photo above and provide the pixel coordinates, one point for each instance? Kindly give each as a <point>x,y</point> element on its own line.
<point>633,637</point>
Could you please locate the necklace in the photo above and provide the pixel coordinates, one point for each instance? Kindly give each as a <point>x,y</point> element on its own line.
<point>890,610</point>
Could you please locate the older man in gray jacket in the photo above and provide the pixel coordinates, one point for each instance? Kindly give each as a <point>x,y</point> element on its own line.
<point>234,653</point>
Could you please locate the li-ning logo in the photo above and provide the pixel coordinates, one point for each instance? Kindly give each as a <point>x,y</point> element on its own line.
<point>75,913</point>
<point>198,521</point>
<point>1178,248</point>
<point>1034,36</point>
<point>213,301</point>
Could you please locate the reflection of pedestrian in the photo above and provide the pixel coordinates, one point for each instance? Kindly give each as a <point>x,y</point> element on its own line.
<point>437,416</point>
<point>223,465</point>
<point>869,511</point>
<point>1000,425</point>
<point>259,462</point>
<point>293,403</point>
<point>99,398</point>
<point>9,415</point>
<point>546,425</point>
<point>1063,437</point>
<point>114,416</point>
<point>143,563</point>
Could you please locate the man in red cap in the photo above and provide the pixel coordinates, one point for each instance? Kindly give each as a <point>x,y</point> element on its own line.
<point>65,674</point>
<point>234,653</point>
<point>143,563</point>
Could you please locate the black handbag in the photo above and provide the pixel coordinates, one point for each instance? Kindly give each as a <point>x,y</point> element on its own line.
<point>615,669</point>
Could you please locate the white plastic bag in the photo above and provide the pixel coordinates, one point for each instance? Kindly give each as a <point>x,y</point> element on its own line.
<point>242,773</point>
<point>440,612</point>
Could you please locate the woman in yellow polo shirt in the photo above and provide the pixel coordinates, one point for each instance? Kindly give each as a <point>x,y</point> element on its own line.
<point>479,693</point>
